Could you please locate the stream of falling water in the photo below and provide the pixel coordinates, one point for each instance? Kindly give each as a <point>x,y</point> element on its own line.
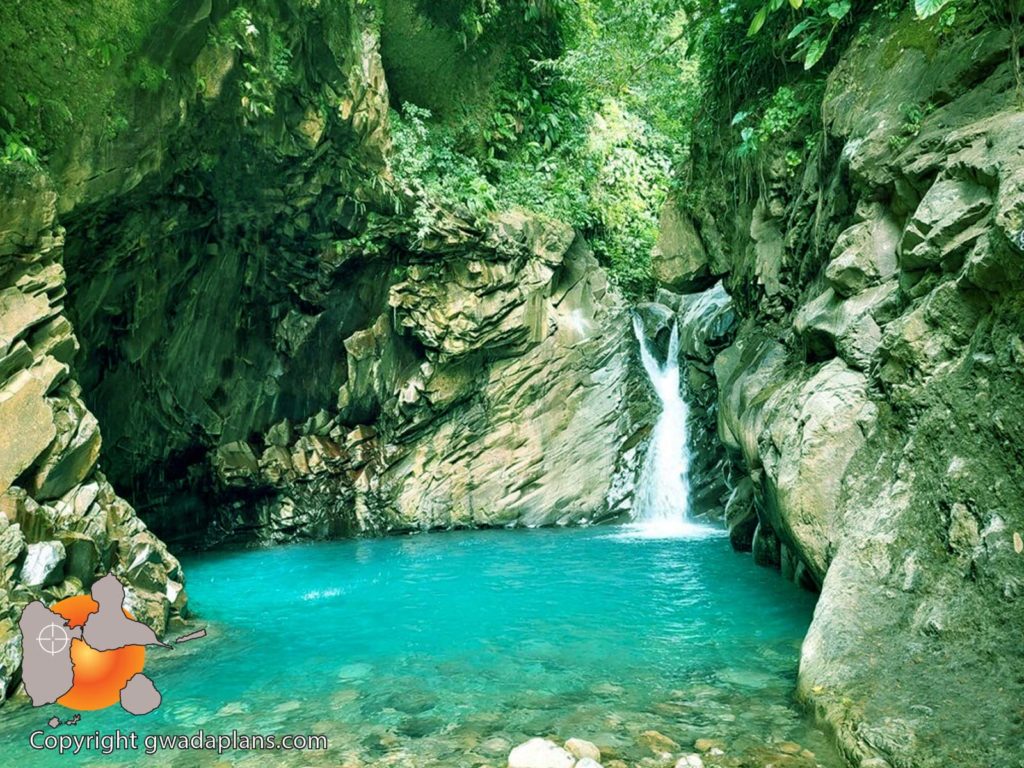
<point>661,506</point>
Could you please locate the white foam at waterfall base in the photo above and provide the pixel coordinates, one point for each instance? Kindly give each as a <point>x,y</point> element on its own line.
<point>661,505</point>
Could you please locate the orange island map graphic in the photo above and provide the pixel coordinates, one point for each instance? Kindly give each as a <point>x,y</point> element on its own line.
<point>87,653</point>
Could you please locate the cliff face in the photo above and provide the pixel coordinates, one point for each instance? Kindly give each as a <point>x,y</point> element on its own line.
<point>872,399</point>
<point>62,525</point>
<point>266,365</point>
<point>493,388</point>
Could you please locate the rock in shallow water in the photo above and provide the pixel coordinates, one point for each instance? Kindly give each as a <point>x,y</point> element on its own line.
<point>657,741</point>
<point>582,748</point>
<point>540,753</point>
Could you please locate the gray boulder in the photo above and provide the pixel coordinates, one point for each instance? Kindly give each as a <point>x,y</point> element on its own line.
<point>44,564</point>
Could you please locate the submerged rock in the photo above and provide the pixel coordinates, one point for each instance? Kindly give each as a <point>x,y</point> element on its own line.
<point>657,741</point>
<point>581,748</point>
<point>540,753</point>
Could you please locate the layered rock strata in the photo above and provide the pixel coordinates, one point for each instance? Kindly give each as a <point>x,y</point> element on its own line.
<point>873,397</point>
<point>61,524</point>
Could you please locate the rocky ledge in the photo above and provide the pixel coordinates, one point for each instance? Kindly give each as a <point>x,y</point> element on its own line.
<point>499,386</point>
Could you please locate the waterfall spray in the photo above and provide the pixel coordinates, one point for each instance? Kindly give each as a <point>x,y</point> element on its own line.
<point>662,501</point>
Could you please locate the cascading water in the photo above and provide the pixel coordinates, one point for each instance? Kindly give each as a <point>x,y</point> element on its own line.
<point>661,505</point>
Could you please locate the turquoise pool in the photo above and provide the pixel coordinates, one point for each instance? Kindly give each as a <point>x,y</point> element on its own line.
<point>448,649</point>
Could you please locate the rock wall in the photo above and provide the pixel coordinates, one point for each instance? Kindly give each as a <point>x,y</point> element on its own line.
<point>496,387</point>
<point>873,397</point>
<point>524,410</point>
<point>213,296</point>
<point>61,523</point>
<point>267,366</point>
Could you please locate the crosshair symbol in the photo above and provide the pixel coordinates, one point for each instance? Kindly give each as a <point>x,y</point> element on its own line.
<point>53,639</point>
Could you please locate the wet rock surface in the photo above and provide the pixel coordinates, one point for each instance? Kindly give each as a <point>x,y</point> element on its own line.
<point>870,402</point>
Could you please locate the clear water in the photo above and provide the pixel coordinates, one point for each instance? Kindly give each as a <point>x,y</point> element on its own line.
<point>447,649</point>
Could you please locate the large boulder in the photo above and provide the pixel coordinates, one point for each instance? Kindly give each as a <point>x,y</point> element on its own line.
<point>706,322</point>
<point>679,260</point>
<point>850,327</point>
<point>813,428</point>
<point>864,254</point>
<point>940,232</point>
<point>28,427</point>
<point>72,455</point>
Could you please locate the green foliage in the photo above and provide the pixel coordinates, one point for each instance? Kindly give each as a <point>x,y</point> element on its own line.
<point>477,20</point>
<point>926,8</point>
<point>116,124</point>
<point>16,149</point>
<point>265,59</point>
<point>431,171</point>
<point>66,67</point>
<point>913,117</point>
<point>14,144</point>
<point>820,19</point>
<point>610,185</point>
<point>788,113</point>
<point>813,33</point>
<point>148,76</point>
<point>585,128</point>
<point>947,21</point>
<point>633,170</point>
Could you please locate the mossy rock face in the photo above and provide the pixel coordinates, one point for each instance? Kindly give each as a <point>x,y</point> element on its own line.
<point>66,63</point>
<point>873,395</point>
<point>429,64</point>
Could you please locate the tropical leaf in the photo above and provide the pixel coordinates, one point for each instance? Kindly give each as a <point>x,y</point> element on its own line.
<point>926,8</point>
<point>838,10</point>
<point>799,28</point>
<point>797,4</point>
<point>758,21</point>
<point>815,51</point>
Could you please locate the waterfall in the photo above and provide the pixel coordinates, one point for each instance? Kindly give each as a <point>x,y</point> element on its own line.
<point>662,501</point>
